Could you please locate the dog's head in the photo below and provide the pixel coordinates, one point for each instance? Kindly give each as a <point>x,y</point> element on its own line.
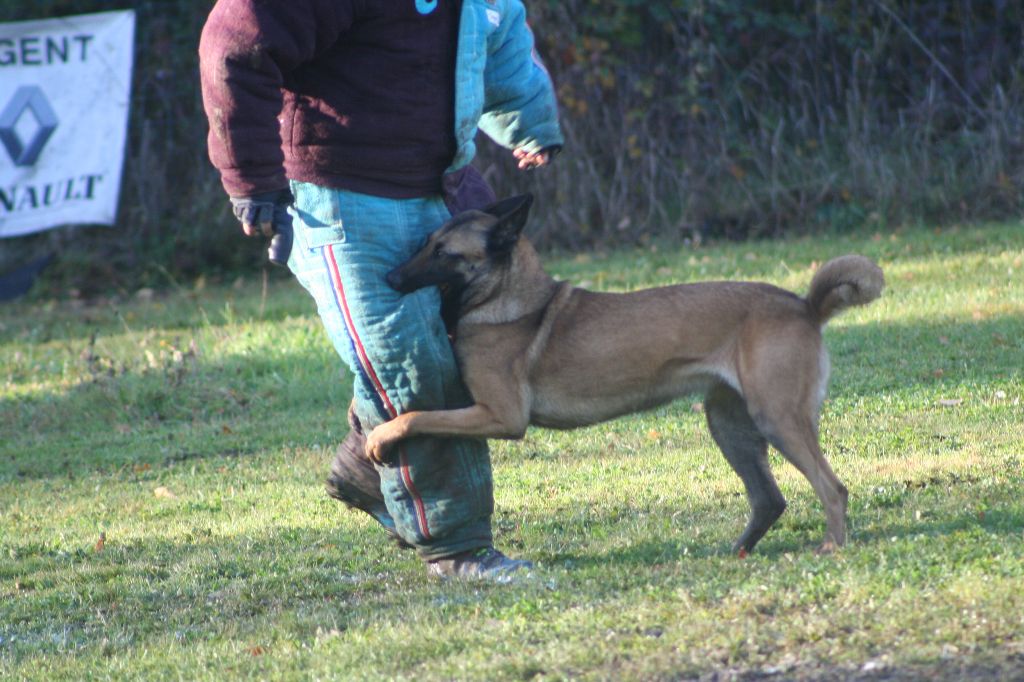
<point>467,251</point>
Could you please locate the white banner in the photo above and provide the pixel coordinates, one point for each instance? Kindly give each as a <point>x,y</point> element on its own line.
<point>65,86</point>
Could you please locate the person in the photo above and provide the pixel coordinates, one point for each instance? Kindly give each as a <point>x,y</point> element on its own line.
<point>353,123</point>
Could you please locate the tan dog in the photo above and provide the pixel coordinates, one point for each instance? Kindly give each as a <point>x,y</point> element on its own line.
<point>533,350</point>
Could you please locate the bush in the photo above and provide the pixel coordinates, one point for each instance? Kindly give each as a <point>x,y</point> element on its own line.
<point>685,119</point>
<point>689,118</point>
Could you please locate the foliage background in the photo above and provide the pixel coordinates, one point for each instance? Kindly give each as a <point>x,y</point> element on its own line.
<point>685,119</point>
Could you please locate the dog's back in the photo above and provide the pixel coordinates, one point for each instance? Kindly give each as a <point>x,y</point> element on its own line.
<point>608,354</point>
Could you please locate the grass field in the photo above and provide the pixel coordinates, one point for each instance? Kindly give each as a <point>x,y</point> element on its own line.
<point>162,513</point>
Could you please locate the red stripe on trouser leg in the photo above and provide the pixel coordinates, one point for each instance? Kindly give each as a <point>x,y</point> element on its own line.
<point>360,350</point>
<point>421,510</point>
<point>364,360</point>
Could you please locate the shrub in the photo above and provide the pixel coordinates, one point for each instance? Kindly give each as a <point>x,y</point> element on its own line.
<point>689,118</point>
<point>684,119</point>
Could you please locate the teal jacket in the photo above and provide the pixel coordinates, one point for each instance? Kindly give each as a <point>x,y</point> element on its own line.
<point>501,84</point>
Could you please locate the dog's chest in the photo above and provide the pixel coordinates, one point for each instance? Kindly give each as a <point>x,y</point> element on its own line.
<point>490,349</point>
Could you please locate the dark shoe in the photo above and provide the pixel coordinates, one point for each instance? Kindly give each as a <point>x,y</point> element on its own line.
<point>485,563</point>
<point>354,481</point>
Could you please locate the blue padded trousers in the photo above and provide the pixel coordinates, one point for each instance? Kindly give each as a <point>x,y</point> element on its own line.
<point>437,492</point>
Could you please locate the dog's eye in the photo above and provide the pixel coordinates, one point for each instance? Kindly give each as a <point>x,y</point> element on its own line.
<point>440,252</point>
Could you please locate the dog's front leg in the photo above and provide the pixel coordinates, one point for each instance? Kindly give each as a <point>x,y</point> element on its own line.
<point>477,421</point>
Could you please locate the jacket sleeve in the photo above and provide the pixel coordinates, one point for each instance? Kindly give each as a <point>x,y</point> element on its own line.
<point>246,51</point>
<point>519,100</point>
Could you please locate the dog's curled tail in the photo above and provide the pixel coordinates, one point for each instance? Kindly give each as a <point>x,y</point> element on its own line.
<point>842,283</point>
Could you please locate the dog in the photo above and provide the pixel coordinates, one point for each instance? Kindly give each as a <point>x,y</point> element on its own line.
<point>534,350</point>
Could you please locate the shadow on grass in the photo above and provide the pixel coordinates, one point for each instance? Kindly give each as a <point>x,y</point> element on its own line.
<point>798,533</point>
<point>651,553</point>
<point>1003,523</point>
<point>297,583</point>
<point>873,359</point>
<point>183,407</point>
<point>199,587</point>
<point>176,409</point>
<point>176,308</point>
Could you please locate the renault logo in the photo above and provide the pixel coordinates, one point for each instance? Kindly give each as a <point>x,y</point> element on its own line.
<point>29,100</point>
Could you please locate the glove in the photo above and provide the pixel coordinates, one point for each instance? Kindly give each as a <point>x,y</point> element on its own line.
<point>267,214</point>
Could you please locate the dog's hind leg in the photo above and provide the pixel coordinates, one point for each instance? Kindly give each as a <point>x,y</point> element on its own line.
<point>796,437</point>
<point>783,374</point>
<point>746,450</point>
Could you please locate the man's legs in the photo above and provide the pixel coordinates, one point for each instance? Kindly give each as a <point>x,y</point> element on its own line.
<point>437,493</point>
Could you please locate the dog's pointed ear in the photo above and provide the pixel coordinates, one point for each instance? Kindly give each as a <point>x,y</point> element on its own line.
<point>511,214</point>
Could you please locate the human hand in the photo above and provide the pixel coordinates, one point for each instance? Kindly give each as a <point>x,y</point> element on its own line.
<point>530,160</point>
<point>260,213</point>
<point>267,215</point>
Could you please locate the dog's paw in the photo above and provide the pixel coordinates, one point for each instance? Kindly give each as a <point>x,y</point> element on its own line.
<point>828,547</point>
<point>376,447</point>
<point>382,439</point>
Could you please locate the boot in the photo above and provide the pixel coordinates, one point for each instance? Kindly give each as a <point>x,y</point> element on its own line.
<point>485,563</point>
<point>354,480</point>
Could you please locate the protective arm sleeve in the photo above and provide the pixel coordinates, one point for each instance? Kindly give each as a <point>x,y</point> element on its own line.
<point>520,110</point>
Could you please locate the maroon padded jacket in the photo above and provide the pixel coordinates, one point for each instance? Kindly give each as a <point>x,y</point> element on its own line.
<point>349,94</point>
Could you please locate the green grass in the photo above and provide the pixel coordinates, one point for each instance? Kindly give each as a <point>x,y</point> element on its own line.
<point>193,432</point>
